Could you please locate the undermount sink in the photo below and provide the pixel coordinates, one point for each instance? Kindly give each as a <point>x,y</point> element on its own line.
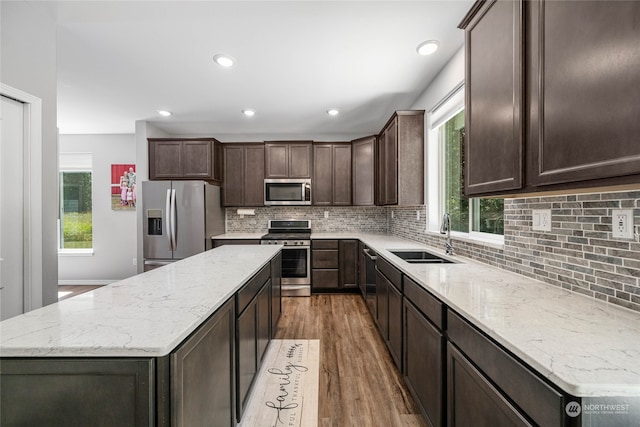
<point>420,257</point>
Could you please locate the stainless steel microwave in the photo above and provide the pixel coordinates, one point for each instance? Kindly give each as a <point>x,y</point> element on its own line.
<point>288,191</point>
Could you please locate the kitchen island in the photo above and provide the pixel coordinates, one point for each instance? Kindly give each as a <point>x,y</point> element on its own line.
<point>130,353</point>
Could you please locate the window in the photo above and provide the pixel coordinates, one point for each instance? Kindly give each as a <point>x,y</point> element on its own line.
<point>76,203</point>
<point>481,218</point>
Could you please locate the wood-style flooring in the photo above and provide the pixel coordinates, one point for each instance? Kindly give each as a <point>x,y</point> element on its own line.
<point>68,291</point>
<point>359,384</point>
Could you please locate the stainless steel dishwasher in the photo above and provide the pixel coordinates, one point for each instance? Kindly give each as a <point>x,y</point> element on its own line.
<point>370,280</point>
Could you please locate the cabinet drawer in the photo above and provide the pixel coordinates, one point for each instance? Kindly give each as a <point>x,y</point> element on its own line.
<point>324,244</point>
<point>393,274</point>
<point>324,278</point>
<point>324,259</point>
<point>253,286</point>
<point>517,381</point>
<point>429,305</point>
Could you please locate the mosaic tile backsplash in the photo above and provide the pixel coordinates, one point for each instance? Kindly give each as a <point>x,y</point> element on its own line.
<point>578,254</point>
<point>365,219</point>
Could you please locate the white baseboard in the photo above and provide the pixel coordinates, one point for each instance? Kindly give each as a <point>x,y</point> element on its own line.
<point>86,282</point>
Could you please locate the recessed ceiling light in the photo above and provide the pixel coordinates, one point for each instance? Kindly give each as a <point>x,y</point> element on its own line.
<point>249,113</point>
<point>333,112</point>
<point>164,113</point>
<point>428,47</point>
<point>224,60</point>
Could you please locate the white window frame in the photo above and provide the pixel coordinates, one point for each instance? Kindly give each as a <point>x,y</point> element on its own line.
<point>450,105</point>
<point>75,162</point>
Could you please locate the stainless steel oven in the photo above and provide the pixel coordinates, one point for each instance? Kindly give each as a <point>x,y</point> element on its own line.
<point>295,235</point>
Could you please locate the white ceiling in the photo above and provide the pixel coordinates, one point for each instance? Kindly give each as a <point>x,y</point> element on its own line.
<point>121,61</point>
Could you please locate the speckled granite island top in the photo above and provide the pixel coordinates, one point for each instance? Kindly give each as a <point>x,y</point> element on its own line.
<point>145,315</point>
<point>584,346</point>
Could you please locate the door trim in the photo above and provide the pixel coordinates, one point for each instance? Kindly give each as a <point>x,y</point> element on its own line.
<point>32,194</point>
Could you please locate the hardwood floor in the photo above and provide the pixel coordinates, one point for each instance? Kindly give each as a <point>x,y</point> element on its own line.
<point>359,384</point>
<point>68,291</point>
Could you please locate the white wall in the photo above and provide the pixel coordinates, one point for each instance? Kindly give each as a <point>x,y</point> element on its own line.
<point>144,130</point>
<point>28,63</point>
<point>451,75</point>
<point>114,231</point>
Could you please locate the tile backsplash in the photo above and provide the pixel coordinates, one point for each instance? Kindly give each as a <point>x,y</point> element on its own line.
<point>365,219</point>
<point>578,254</point>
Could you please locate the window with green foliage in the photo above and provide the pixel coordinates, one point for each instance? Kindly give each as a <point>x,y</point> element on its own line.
<point>76,222</point>
<point>476,215</point>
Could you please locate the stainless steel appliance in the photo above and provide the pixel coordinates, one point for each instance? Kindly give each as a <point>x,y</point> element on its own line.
<point>288,192</point>
<point>295,235</point>
<point>179,219</point>
<point>370,280</point>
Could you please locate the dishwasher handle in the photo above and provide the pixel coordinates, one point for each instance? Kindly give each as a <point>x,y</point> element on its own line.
<point>367,252</point>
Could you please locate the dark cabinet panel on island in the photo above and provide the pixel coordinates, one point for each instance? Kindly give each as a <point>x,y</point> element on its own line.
<point>253,335</point>
<point>90,391</point>
<point>203,374</point>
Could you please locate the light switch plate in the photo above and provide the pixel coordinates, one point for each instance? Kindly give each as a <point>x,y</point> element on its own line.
<point>541,219</point>
<point>622,223</point>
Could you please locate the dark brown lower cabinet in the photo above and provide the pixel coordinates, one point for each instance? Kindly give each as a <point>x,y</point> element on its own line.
<point>348,264</point>
<point>334,265</point>
<point>264,320</point>
<point>253,332</point>
<point>203,375</point>
<point>276,293</point>
<point>473,400</point>
<point>423,364</point>
<point>394,342</point>
<point>382,302</point>
<point>77,392</point>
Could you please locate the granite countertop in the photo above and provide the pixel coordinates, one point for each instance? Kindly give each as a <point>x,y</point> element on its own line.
<point>585,346</point>
<point>147,315</point>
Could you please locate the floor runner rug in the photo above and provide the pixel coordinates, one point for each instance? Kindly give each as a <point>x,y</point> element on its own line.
<point>286,390</point>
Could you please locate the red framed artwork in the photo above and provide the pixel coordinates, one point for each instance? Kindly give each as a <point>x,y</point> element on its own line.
<point>123,187</point>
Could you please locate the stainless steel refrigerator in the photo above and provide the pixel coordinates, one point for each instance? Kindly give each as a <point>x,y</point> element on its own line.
<point>179,219</point>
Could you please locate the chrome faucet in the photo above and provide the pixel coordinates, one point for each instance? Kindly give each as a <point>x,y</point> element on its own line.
<point>445,228</point>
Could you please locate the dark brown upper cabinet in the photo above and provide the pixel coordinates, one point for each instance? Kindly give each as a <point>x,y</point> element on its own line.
<point>331,174</point>
<point>584,89</point>
<point>288,159</point>
<point>363,171</point>
<point>494,133</point>
<point>243,175</point>
<point>551,96</point>
<point>400,160</point>
<point>185,159</point>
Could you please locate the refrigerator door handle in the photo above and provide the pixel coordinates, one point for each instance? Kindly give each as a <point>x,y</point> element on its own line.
<point>167,218</point>
<point>174,238</point>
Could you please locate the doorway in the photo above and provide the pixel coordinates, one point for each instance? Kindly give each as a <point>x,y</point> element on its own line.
<point>20,201</point>
<point>11,208</point>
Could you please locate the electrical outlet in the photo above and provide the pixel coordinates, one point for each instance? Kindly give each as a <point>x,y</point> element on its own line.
<point>541,219</point>
<point>393,214</point>
<point>326,214</point>
<point>135,261</point>
<point>622,223</point>
<point>417,215</point>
